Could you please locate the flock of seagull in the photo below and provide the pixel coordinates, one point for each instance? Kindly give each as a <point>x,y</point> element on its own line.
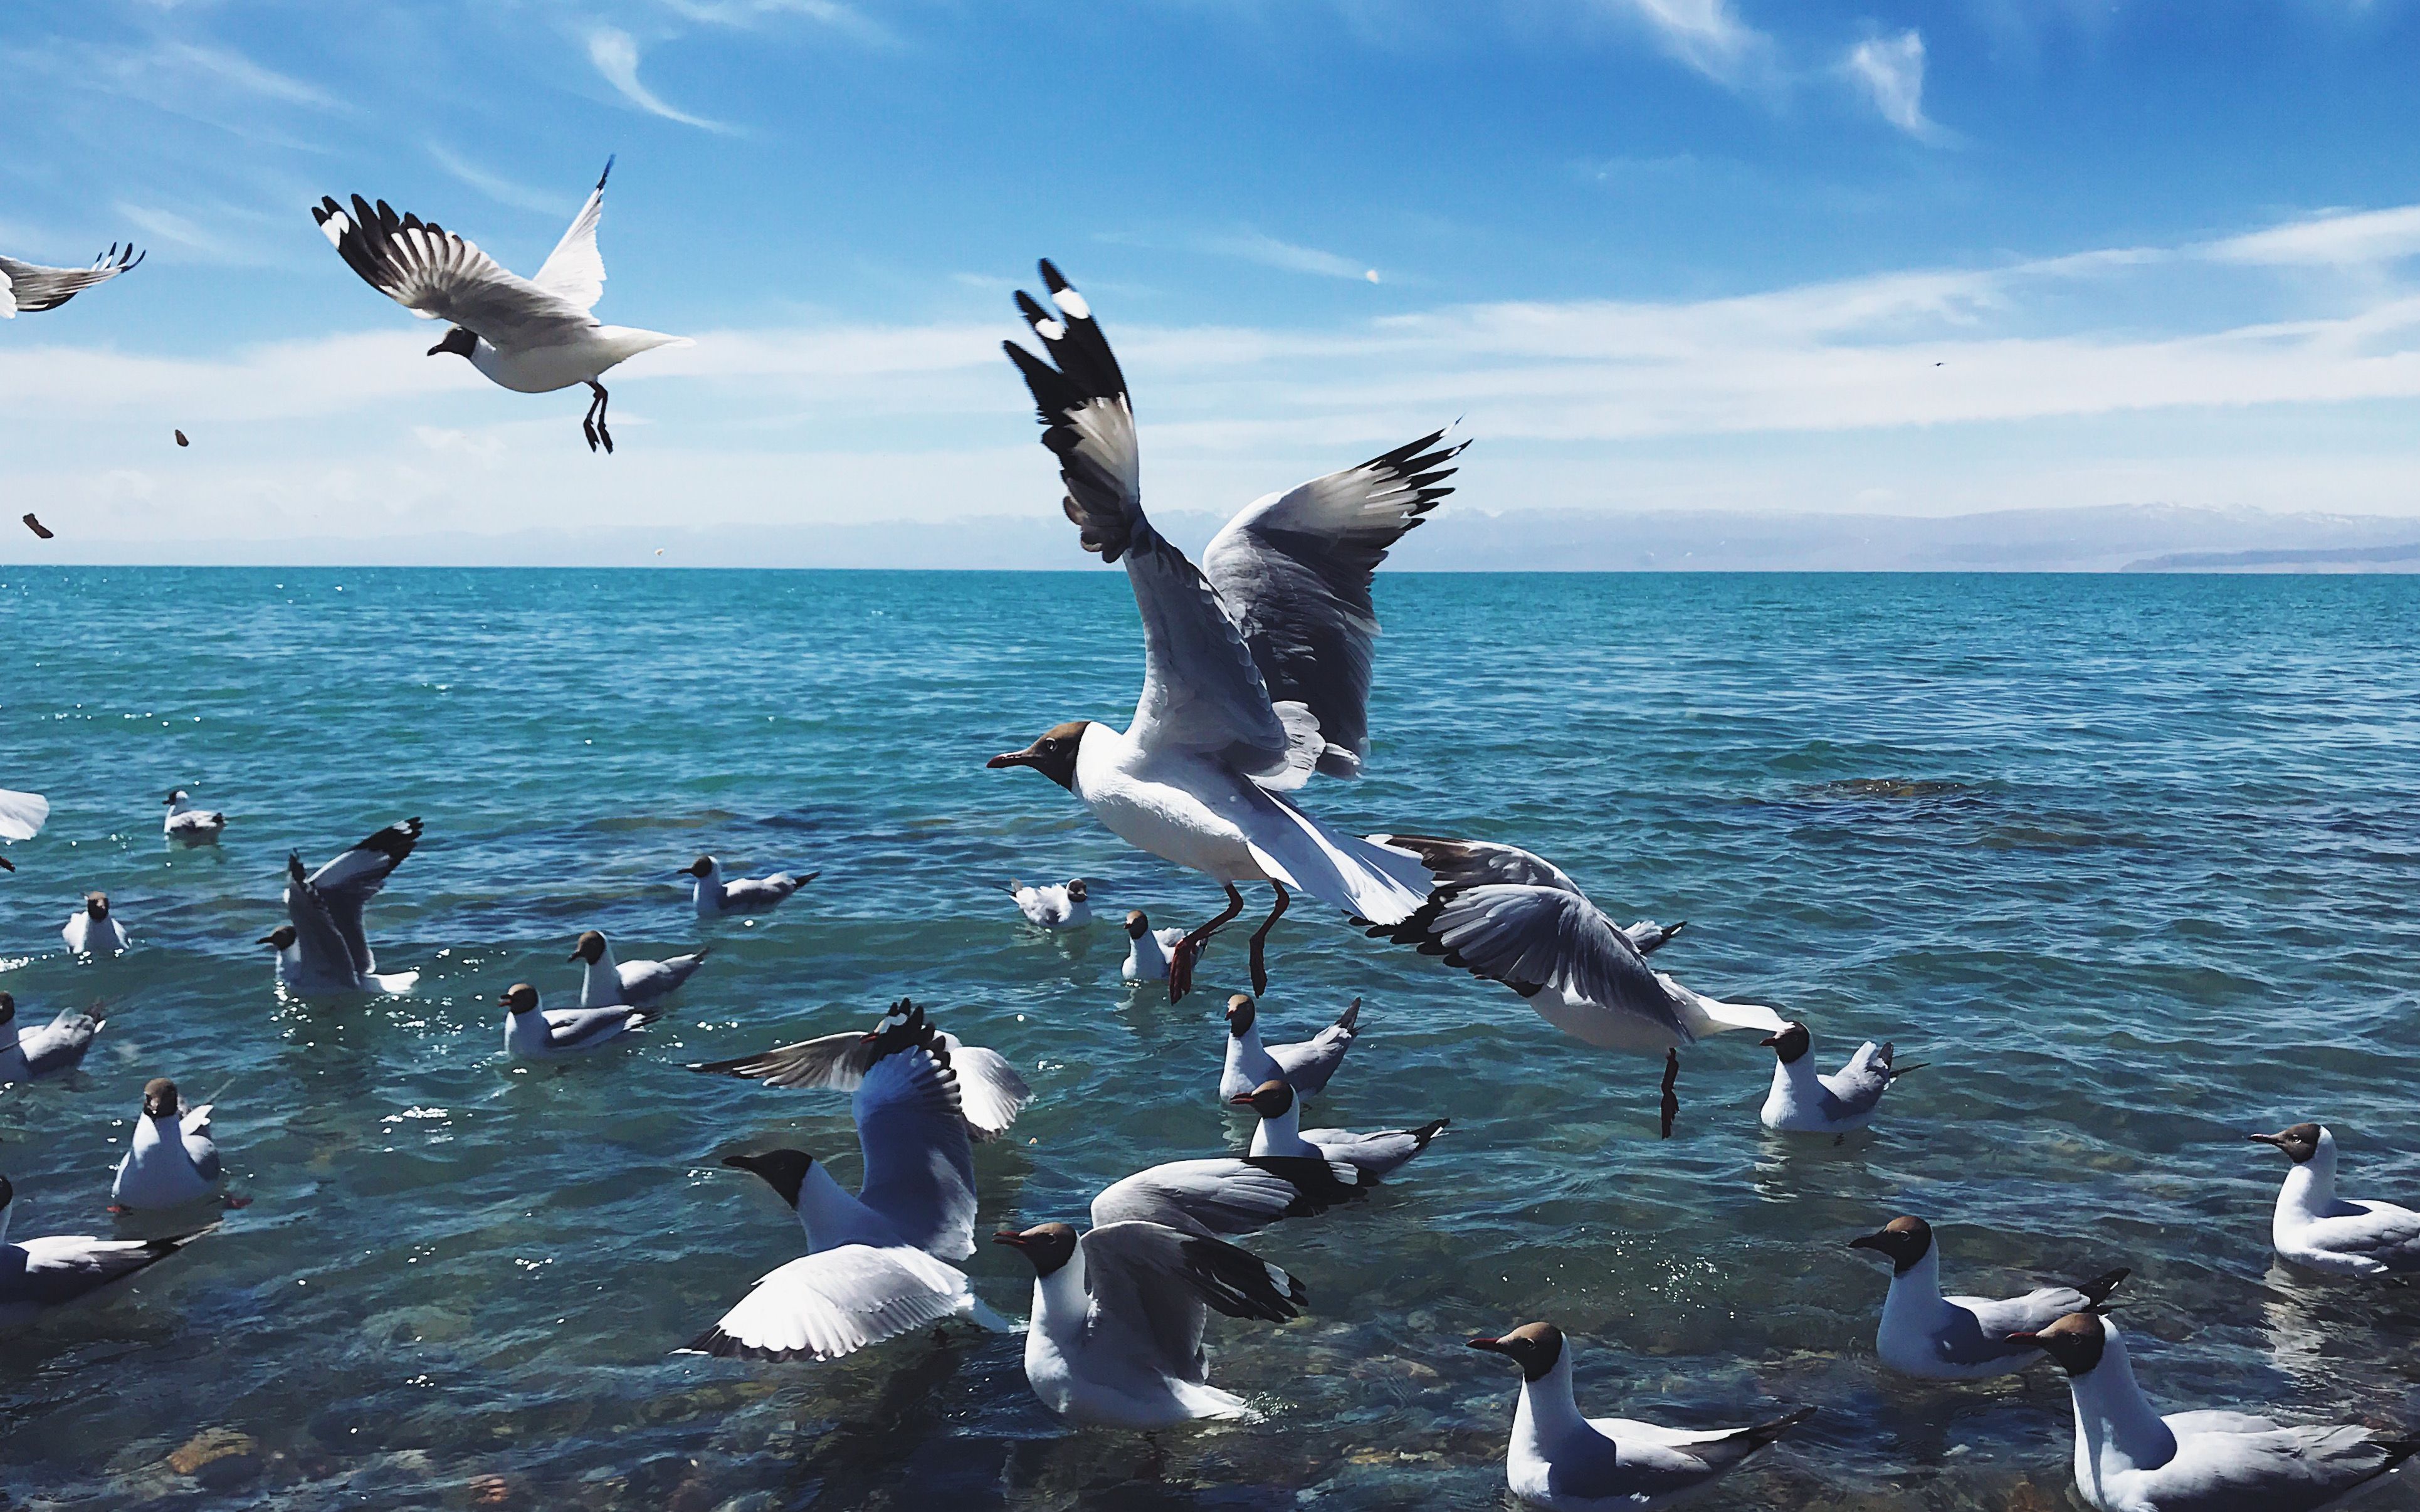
<point>1257,673</point>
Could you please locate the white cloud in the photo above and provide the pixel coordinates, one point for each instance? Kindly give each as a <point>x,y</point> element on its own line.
<point>2338,239</point>
<point>743,13</point>
<point>1707,35</point>
<point>1258,247</point>
<point>616,57</point>
<point>1891,70</point>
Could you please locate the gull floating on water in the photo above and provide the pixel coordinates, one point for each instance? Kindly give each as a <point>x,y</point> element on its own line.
<point>322,948</point>
<point>170,1159</point>
<point>1115,1338</point>
<point>1256,663</point>
<point>715,897</point>
<point>1501,913</point>
<point>194,826</point>
<point>31,1055</point>
<point>1961,1338</point>
<point>37,1275</point>
<point>30,286</point>
<point>989,1090</point>
<point>91,930</point>
<point>2317,1230</point>
<point>532,1033</point>
<point>1564,1462</point>
<point>2129,1459</point>
<point>1147,949</point>
<point>1803,1101</point>
<point>1377,1155</point>
<point>606,982</point>
<point>1304,1067</point>
<point>532,335</point>
<point>1051,907</point>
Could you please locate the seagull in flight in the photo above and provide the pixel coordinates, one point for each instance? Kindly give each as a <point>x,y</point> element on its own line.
<point>31,287</point>
<point>1256,663</point>
<point>532,335</point>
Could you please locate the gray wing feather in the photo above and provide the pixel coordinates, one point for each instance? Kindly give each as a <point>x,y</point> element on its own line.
<point>833,1063</point>
<point>346,885</point>
<point>989,1090</point>
<point>60,1269</point>
<point>31,287</point>
<point>1471,863</point>
<point>1594,1467</point>
<point>438,275</point>
<point>1860,1084</point>
<point>1153,1288</point>
<point>1533,937</point>
<point>325,950</point>
<point>2382,1233</point>
<point>2224,1463</point>
<point>1310,1066</point>
<point>920,1170</point>
<point>1225,1198</point>
<point>834,1303</point>
<point>576,1028</point>
<point>1294,569</point>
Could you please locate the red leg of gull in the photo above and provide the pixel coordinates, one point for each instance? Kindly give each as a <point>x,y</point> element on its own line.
<point>1188,949</point>
<point>1261,936</point>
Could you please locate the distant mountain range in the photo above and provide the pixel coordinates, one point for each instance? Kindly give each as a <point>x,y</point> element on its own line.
<point>2107,538</point>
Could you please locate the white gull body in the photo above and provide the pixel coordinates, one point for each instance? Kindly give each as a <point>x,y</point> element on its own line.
<point>93,929</point>
<point>1803,1100</point>
<point>192,826</point>
<point>605,982</point>
<point>1377,1155</point>
<point>1306,1067</point>
<point>1926,1335</point>
<point>1054,905</point>
<point>171,1159</point>
<point>2317,1230</point>
<point>535,1033</point>
<point>1147,949</point>
<point>29,1055</point>
<point>714,896</point>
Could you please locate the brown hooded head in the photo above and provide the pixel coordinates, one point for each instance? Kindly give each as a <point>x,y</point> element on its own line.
<point>1078,889</point>
<point>96,904</point>
<point>698,868</point>
<point>1534,1346</point>
<point>1047,1245</point>
<point>521,998</point>
<point>2300,1143</point>
<point>462,341</point>
<point>1241,1014</point>
<point>1906,1241</point>
<point>1270,1100</point>
<point>2076,1341</point>
<point>591,947</point>
<point>160,1097</point>
<point>1138,924</point>
<point>1791,1043</point>
<point>282,937</point>
<point>1053,755</point>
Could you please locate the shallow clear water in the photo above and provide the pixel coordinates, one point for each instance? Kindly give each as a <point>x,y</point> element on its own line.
<point>2132,862</point>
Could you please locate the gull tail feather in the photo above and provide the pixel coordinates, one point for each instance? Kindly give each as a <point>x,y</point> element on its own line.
<point>1373,882</point>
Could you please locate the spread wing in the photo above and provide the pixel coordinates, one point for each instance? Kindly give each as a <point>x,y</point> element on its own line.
<point>1531,938</point>
<point>834,1303</point>
<point>1469,863</point>
<point>575,269</point>
<point>22,815</point>
<point>1227,1196</point>
<point>989,1090</point>
<point>1153,1287</point>
<point>1294,570</point>
<point>30,286</point>
<point>345,885</point>
<point>1201,690</point>
<point>920,1170</point>
<point>438,275</point>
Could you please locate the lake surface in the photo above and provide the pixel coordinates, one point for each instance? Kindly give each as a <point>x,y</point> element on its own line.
<point>2134,863</point>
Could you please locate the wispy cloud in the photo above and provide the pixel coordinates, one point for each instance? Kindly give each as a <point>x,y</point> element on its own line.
<point>496,187</point>
<point>840,18</point>
<point>1891,72</point>
<point>616,57</point>
<point>1707,35</point>
<point>232,67</point>
<point>2336,239</point>
<point>199,243</point>
<point>1267,250</point>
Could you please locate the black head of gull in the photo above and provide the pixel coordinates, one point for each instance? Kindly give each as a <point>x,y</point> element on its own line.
<point>698,868</point>
<point>2075,1341</point>
<point>1138,924</point>
<point>2300,1143</point>
<point>784,1170</point>
<point>1053,755</point>
<point>1077,890</point>
<point>1534,1346</point>
<point>520,998</point>
<point>462,341</point>
<point>8,1009</point>
<point>1240,1016</point>
<point>1047,1245</point>
<point>96,904</point>
<point>1270,1100</point>
<point>1905,1241</point>
<point>176,797</point>
<point>7,1193</point>
<point>591,947</point>
<point>282,937</point>
<point>1790,1043</point>
<point>160,1097</point>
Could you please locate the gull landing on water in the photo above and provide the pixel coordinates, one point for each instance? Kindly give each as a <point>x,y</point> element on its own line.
<point>322,947</point>
<point>1256,663</point>
<point>532,335</point>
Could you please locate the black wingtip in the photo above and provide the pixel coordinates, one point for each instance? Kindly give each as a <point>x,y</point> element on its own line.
<point>1764,1433</point>
<point>607,174</point>
<point>2099,1287</point>
<point>1051,278</point>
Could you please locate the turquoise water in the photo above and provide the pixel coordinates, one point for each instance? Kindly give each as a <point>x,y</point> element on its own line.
<point>2132,862</point>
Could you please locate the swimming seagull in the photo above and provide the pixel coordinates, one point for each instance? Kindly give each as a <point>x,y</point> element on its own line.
<point>1226,1196</point>
<point>31,287</point>
<point>37,1275</point>
<point>1304,1067</point>
<point>990,1093</point>
<point>714,897</point>
<point>1377,1155</point>
<point>194,826</point>
<point>2129,1459</point>
<point>1564,1462</point>
<point>1148,949</point>
<point>34,1053</point>
<point>171,1159</point>
<point>322,947</point>
<point>1256,663</point>
<point>91,930</point>
<point>1115,1338</point>
<point>532,1033</point>
<point>1961,1338</point>
<point>605,982</point>
<point>2315,1229</point>
<point>532,335</point>
<point>1803,1101</point>
<point>1506,915</point>
<point>1053,908</point>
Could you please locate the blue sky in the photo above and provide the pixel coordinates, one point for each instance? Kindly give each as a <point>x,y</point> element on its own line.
<point>1656,253</point>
